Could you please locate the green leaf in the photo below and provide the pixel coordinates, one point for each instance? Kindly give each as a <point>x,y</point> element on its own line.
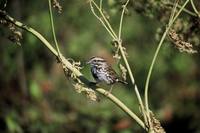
<point>35,90</point>
<point>13,125</point>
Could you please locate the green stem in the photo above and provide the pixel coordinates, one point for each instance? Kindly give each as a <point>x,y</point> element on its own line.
<point>133,81</point>
<point>101,20</point>
<point>100,4</point>
<point>52,27</point>
<point>121,20</point>
<point>155,57</point>
<point>194,8</point>
<point>105,19</point>
<point>185,9</point>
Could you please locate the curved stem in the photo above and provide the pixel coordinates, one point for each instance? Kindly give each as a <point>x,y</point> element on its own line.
<point>121,20</point>
<point>52,27</point>
<point>194,8</point>
<point>133,82</point>
<point>155,57</point>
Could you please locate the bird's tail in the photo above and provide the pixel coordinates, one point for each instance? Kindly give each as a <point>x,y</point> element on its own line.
<point>122,81</point>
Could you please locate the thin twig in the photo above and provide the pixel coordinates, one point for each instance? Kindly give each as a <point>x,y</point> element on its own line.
<point>105,26</point>
<point>121,19</point>
<point>185,9</point>
<point>127,64</point>
<point>52,28</point>
<point>173,12</point>
<point>181,9</point>
<point>100,4</point>
<point>105,19</point>
<point>194,8</point>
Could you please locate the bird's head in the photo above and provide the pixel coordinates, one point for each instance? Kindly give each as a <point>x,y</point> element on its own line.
<point>95,61</point>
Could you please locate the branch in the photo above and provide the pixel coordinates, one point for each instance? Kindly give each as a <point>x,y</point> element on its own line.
<point>72,68</point>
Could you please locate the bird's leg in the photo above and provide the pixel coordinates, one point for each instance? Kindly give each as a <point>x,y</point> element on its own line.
<point>111,89</point>
<point>93,83</point>
<point>109,92</point>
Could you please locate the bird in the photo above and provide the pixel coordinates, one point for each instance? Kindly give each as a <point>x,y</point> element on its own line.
<point>103,72</point>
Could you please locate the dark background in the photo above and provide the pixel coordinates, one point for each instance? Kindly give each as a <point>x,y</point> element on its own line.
<point>35,96</point>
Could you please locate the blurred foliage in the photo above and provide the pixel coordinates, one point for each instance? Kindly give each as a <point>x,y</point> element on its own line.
<point>35,96</point>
